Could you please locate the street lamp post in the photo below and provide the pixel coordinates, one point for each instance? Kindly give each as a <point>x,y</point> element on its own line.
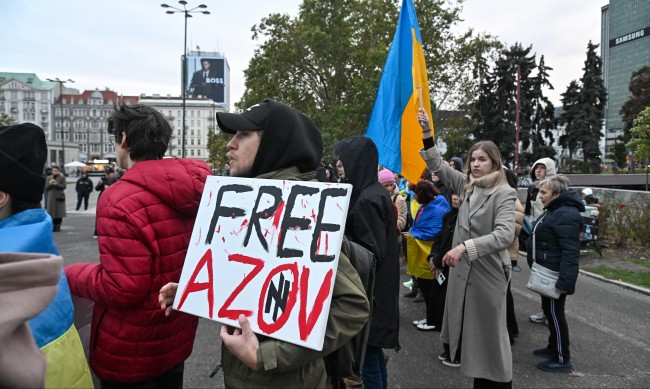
<point>61,82</point>
<point>187,13</point>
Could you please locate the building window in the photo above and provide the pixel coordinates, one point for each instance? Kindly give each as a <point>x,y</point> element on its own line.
<point>198,152</point>
<point>192,152</point>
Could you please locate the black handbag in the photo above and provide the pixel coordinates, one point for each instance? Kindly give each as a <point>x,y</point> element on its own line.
<point>60,196</point>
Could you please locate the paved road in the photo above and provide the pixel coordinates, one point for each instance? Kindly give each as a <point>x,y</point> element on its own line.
<point>609,326</point>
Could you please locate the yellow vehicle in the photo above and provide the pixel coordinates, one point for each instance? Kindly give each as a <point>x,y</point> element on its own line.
<point>97,167</point>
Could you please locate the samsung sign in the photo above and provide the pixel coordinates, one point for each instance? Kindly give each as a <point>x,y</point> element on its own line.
<point>629,37</point>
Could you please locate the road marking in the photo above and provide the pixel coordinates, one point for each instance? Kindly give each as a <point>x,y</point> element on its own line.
<point>589,322</point>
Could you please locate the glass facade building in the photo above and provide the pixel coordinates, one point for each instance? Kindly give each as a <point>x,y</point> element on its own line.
<point>625,48</point>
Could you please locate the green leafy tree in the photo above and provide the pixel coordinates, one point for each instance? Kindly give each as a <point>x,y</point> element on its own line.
<point>618,154</point>
<point>217,149</point>
<point>639,99</point>
<point>640,135</point>
<point>327,61</point>
<point>6,120</point>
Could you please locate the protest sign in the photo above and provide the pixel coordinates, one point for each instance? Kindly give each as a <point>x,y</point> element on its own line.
<point>268,249</point>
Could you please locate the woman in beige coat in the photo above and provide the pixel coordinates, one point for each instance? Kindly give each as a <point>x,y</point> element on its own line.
<point>475,308</point>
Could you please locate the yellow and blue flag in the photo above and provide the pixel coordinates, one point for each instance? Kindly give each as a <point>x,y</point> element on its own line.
<point>393,124</point>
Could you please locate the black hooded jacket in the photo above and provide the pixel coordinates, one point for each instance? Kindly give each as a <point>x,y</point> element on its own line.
<point>289,139</point>
<point>557,238</point>
<point>371,223</point>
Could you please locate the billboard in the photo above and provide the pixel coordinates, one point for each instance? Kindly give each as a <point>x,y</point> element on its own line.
<point>206,77</point>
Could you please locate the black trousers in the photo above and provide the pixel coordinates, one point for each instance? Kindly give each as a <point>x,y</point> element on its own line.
<point>171,379</point>
<point>434,299</point>
<point>511,319</point>
<point>84,197</point>
<point>558,340</point>
<point>484,383</point>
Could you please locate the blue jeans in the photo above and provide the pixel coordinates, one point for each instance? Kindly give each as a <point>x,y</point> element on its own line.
<point>374,369</point>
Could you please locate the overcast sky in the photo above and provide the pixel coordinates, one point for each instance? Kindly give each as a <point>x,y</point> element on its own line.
<point>134,47</point>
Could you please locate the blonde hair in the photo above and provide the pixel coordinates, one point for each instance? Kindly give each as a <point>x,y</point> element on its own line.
<point>492,151</point>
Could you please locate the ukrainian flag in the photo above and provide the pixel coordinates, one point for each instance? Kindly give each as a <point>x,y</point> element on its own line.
<point>393,124</point>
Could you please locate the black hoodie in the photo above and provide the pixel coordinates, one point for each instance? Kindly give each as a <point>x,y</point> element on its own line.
<point>289,139</point>
<point>371,223</point>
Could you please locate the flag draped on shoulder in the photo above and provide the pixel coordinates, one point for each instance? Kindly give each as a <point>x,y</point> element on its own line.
<point>403,88</point>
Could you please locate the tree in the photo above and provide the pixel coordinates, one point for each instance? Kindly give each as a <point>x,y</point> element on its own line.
<point>570,105</point>
<point>543,121</point>
<point>639,99</point>
<point>640,134</point>
<point>584,110</point>
<point>592,98</point>
<point>496,107</point>
<point>327,61</point>
<point>217,149</point>
<point>6,120</point>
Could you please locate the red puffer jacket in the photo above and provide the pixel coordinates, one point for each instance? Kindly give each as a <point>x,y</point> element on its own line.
<point>144,222</point>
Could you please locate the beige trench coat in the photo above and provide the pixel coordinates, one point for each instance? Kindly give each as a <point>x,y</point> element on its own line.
<point>56,208</point>
<point>476,296</point>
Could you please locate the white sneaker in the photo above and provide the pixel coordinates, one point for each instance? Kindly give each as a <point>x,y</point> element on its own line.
<point>408,284</point>
<point>538,317</point>
<point>425,327</point>
<point>418,322</point>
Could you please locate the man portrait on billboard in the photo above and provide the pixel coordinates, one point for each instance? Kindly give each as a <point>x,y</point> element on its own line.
<point>208,81</point>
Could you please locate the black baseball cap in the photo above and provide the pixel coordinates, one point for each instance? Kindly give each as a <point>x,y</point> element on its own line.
<point>252,118</point>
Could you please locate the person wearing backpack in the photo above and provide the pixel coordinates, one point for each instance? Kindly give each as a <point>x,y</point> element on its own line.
<point>371,223</point>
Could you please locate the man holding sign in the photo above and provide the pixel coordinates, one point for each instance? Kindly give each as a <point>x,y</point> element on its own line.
<point>274,141</point>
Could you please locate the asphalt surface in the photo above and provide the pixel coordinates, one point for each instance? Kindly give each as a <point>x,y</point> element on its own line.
<point>609,328</point>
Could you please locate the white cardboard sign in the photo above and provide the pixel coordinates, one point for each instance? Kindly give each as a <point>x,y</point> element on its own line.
<point>268,249</point>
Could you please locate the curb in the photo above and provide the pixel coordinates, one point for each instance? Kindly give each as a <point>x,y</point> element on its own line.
<point>638,289</point>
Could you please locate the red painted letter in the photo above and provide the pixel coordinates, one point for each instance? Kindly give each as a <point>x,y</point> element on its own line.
<point>193,286</point>
<point>233,314</point>
<point>306,323</point>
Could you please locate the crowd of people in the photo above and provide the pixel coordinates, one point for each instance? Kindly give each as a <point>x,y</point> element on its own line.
<point>457,228</point>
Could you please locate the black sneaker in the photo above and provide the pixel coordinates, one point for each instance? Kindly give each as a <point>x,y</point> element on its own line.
<point>543,352</point>
<point>555,367</point>
<point>411,294</point>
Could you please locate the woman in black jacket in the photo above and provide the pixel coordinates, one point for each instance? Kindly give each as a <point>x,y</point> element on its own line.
<point>555,245</point>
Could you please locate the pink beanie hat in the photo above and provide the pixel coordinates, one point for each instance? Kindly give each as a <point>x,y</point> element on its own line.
<point>386,177</point>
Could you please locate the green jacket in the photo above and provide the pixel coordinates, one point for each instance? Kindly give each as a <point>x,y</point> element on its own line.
<point>285,365</point>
